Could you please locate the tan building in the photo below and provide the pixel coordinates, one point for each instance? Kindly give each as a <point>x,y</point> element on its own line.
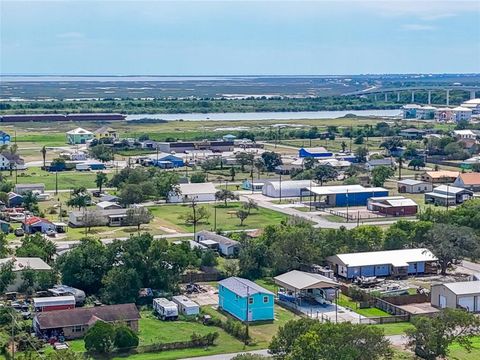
<point>463,294</point>
<point>440,177</point>
<point>74,323</point>
<point>19,265</point>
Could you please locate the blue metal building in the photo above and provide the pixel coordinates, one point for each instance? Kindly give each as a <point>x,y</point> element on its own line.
<point>316,152</point>
<point>343,195</point>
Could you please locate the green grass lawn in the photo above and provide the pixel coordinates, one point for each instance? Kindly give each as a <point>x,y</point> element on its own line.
<point>395,328</point>
<point>169,216</point>
<point>66,179</point>
<point>267,283</point>
<point>345,301</point>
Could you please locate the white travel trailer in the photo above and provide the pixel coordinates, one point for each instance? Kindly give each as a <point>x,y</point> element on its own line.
<point>166,309</point>
<point>186,306</point>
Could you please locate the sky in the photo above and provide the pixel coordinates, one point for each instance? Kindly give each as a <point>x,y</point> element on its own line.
<point>229,37</point>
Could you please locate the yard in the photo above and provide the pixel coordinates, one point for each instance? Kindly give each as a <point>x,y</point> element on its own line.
<point>347,302</point>
<point>169,216</point>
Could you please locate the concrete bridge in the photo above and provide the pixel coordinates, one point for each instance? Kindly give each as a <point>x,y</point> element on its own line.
<point>378,91</point>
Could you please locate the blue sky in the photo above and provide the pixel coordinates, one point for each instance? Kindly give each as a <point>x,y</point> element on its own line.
<point>239,37</point>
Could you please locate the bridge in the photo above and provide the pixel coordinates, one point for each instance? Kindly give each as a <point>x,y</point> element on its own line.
<point>375,91</point>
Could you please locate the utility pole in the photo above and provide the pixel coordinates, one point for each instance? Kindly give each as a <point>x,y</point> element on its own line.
<point>194,207</point>
<point>280,186</point>
<point>215,215</point>
<point>56,182</point>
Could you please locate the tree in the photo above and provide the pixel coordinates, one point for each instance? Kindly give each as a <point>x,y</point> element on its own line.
<point>120,285</point>
<point>30,202</point>
<point>271,160</point>
<point>259,165</point>
<point>232,173</point>
<point>138,216</point>
<point>44,155</point>
<point>361,154</point>
<point>244,158</point>
<point>431,336</point>
<point>308,339</point>
<point>250,205</point>
<point>416,164</point>
<point>344,146</point>
<point>6,276</point>
<point>380,174</point>
<point>100,180</point>
<point>450,242</point>
<point>325,173</point>
<point>197,215</point>
<point>125,337</point>
<point>198,178</point>
<point>166,183</point>
<point>101,152</point>
<point>58,163</point>
<point>92,218</point>
<point>392,143</point>
<point>209,259</point>
<point>80,198</point>
<point>84,266</point>
<point>100,338</point>
<point>242,215</point>
<point>131,194</point>
<point>4,250</point>
<point>310,163</point>
<point>37,246</point>
<point>225,195</point>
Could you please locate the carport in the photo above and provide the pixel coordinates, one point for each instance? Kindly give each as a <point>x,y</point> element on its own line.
<point>307,292</point>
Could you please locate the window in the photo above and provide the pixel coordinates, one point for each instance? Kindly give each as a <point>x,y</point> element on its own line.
<point>77,328</point>
<point>265,299</point>
<point>250,300</point>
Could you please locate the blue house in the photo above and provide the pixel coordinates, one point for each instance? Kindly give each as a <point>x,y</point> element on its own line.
<point>167,161</point>
<point>244,299</point>
<point>395,263</point>
<point>315,152</point>
<point>4,138</point>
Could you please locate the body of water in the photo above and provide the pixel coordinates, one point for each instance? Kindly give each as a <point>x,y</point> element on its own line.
<point>301,115</point>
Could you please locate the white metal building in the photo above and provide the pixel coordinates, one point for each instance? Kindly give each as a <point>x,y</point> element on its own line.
<point>411,186</point>
<point>464,294</point>
<point>289,188</point>
<point>200,192</point>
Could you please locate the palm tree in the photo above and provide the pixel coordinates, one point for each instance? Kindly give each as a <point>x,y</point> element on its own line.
<point>100,180</point>
<point>44,155</point>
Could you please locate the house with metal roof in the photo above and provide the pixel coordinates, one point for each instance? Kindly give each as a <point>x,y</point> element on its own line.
<point>19,265</point>
<point>245,300</point>
<point>440,177</point>
<point>411,186</point>
<point>105,132</point>
<point>78,136</point>
<point>462,294</point>
<point>74,323</point>
<point>343,195</point>
<point>372,164</point>
<point>470,181</point>
<point>200,192</point>
<point>396,263</point>
<point>393,205</point>
<point>446,194</point>
<point>25,188</point>
<point>34,224</point>
<point>223,244</point>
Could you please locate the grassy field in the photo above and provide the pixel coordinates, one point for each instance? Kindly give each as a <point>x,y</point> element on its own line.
<point>169,216</point>
<point>66,179</point>
<point>395,328</point>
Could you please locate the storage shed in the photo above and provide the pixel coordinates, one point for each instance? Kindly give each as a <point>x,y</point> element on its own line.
<point>186,306</point>
<point>52,303</point>
<point>200,192</point>
<point>446,194</point>
<point>411,186</point>
<point>463,294</point>
<point>393,205</point>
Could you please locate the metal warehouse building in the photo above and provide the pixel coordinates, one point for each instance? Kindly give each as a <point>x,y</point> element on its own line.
<point>343,195</point>
<point>464,294</point>
<point>290,188</point>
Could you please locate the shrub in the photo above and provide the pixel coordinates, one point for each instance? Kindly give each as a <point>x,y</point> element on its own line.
<point>125,337</point>
<point>100,338</point>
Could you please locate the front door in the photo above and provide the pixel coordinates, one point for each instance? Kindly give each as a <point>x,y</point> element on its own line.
<point>442,301</point>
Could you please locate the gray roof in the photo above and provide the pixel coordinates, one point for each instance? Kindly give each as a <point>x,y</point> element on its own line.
<point>464,287</point>
<point>410,182</point>
<point>22,263</point>
<point>302,280</point>
<point>380,162</point>
<point>243,287</point>
<point>216,237</point>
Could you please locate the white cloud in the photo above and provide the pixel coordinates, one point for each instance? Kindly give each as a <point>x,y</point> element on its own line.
<point>418,27</point>
<point>71,35</point>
